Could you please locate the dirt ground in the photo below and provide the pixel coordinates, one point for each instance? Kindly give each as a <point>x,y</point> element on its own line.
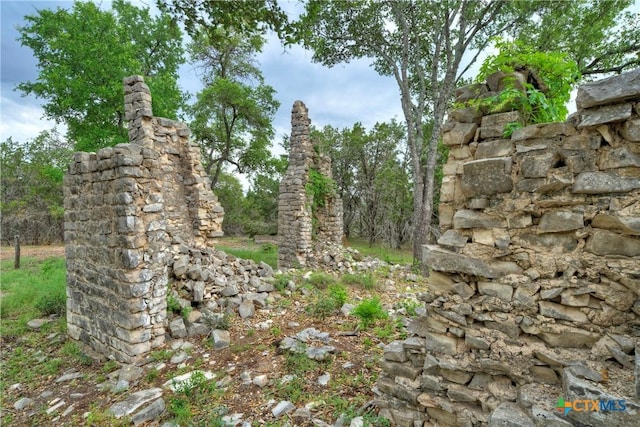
<point>41,252</point>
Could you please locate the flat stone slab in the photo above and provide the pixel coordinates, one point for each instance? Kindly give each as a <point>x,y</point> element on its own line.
<point>604,242</point>
<point>602,183</point>
<point>441,260</point>
<point>134,401</point>
<point>603,115</point>
<point>487,177</point>
<point>611,90</point>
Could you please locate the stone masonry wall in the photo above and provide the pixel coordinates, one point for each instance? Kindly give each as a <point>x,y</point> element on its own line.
<point>298,246</point>
<point>127,209</point>
<point>534,289</point>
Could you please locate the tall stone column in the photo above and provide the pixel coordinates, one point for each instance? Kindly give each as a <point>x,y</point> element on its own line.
<point>294,204</point>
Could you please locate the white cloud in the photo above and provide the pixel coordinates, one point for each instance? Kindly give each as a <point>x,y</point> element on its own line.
<point>23,121</point>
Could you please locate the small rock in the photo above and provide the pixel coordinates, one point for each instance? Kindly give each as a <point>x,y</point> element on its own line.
<point>246,309</point>
<point>347,309</point>
<point>176,382</point>
<point>178,328</point>
<point>15,387</point>
<point>261,380</point>
<point>301,416</point>
<point>149,413</point>
<point>357,422</point>
<point>221,339</point>
<point>233,419</point>
<point>324,379</point>
<point>130,373</point>
<point>320,353</point>
<point>134,401</point>
<point>37,323</point>
<point>22,403</point>
<point>55,407</point>
<point>120,386</point>
<point>179,358</point>
<point>70,377</point>
<point>69,410</point>
<point>282,408</point>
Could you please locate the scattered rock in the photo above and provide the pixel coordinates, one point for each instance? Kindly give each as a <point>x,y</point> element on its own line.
<point>70,377</point>
<point>221,339</point>
<point>37,323</point>
<point>22,403</point>
<point>282,408</point>
<point>134,401</point>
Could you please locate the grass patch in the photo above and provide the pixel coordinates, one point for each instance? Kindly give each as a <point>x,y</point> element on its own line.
<point>392,256</point>
<point>365,281</point>
<point>266,253</point>
<point>37,289</point>
<point>320,280</point>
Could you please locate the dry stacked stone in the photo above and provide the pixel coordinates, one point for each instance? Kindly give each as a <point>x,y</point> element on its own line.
<point>534,286</point>
<point>127,209</point>
<point>307,238</point>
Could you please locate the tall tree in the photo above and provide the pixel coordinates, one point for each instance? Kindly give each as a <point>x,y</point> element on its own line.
<point>422,45</point>
<point>233,113</point>
<point>83,54</point>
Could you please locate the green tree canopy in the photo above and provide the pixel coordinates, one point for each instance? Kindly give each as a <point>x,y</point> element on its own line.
<point>84,53</point>
<point>249,18</point>
<point>31,203</point>
<point>234,112</point>
<point>601,36</point>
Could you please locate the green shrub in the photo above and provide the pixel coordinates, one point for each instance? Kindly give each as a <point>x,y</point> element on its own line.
<point>365,281</point>
<point>328,303</point>
<point>281,281</point>
<point>369,310</point>
<point>55,303</point>
<point>338,293</point>
<point>321,280</point>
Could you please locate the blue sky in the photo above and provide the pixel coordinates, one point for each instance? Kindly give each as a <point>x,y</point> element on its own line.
<point>339,96</point>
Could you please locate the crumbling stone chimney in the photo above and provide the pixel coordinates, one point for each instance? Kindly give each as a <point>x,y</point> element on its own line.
<point>306,227</point>
<point>128,208</point>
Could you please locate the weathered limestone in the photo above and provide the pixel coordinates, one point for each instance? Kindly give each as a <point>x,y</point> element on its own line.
<point>306,234</point>
<point>126,207</point>
<point>534,286</point>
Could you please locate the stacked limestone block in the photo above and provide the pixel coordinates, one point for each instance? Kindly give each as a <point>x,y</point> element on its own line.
<point>535,282</point>
<point>126,208</point>
<point>329,230</point>
<point>294,204</point>
<point>299,244</point>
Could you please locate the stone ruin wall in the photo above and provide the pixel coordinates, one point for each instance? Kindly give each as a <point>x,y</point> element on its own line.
<point>128,208</point>
<point>303,238</point>
<point>534,289</point>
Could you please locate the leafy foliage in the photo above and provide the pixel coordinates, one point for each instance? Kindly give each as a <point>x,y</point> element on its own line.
<point>369,310</point>
<point>600,36</point>
<point>31,187</point>
<point>544,101</point>
<point>319,187</point>
<point>253,18</point>
<point>84,53</point>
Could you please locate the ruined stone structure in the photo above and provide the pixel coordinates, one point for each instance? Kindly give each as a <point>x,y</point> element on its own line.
<point>127,210</point>
<point>304,232</point>
<point>534,290</point>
